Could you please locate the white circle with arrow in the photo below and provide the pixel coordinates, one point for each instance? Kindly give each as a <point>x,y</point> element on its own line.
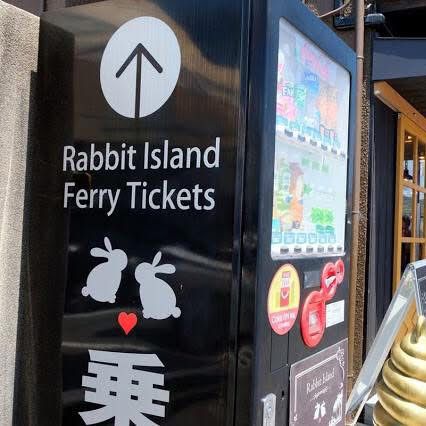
<point>140,67</point>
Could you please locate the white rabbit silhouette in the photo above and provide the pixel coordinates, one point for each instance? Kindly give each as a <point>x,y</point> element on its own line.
<point>157,297</point>
<point>104,280</point>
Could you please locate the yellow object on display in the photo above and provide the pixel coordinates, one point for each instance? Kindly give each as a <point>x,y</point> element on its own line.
<point>402,390</point>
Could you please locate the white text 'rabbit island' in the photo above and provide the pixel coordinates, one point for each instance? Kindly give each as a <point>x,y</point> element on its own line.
<point>104,279</point>
<point>157,297</point>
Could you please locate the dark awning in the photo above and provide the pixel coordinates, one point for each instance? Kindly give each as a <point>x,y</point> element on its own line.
<point>396,58</point>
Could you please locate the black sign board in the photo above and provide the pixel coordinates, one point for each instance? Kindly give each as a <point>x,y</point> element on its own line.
<point>142,127</point>
<point>318,388</point>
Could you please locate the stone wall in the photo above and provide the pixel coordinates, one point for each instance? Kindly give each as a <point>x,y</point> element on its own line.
<point>18,64</point>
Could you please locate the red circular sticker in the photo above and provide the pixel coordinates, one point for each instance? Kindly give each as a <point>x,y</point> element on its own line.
<point>284,299</point>
<point>312,322</point>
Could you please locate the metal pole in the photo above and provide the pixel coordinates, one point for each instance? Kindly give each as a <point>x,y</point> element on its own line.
<point>359,33</point>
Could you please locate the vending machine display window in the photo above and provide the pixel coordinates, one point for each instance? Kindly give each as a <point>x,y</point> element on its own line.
<point>311,150</point>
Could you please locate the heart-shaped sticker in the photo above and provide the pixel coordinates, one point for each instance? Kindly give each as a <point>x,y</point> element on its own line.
<point>127,321</point>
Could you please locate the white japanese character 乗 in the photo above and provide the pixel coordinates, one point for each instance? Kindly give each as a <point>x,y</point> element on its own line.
<point>125,391</point>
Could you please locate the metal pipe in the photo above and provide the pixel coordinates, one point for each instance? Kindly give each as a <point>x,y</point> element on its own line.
<point>336,11</point>
<point>359,35</point>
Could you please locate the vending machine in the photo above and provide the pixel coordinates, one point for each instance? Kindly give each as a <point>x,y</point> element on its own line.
<point>194,161</point>
<point>296,216</point>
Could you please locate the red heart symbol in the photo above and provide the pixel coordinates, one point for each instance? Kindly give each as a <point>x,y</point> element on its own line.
<point>127,321</point>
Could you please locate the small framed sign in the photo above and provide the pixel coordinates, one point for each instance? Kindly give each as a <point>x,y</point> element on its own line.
<point>411,287</point>
<point>318,387</point>
<point>421,287</point>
